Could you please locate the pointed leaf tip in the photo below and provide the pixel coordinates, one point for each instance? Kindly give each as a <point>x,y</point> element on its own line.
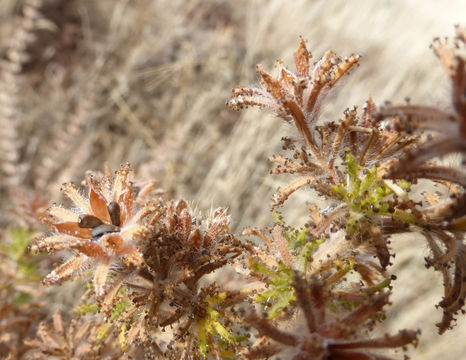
<point>301,58</point>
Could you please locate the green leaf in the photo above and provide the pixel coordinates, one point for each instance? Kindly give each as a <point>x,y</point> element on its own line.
<point>119,308</point>
<point>86,308</point>
<point>295,238</point>
<point>278,218</point>
<point>352,166</point>
<point>283,303</point>
<point>202,336</point>
<point>368,180</point>
<point>210,325</point>
<point>122,338</point>
<point>20,242</point>
<point>305,255</point>
<point>404,184</point>
<point>217,298</point>
<point>341,191</point>
<point>103,332</point>
<point>406,217</point>
<point>224,334</point>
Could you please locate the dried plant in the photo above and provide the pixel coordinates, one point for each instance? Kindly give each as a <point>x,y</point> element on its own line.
<point>344,162</point>
<point>326,336</point>
<point>169,290</point>
<point>81,338</point>
<point>155,252</point>
<point>103,230</point>
<point>166,281</point>
<point>351,164</point>
<point>444,133</point>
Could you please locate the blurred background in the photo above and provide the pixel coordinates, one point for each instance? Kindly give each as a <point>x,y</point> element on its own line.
<point>146,81</point>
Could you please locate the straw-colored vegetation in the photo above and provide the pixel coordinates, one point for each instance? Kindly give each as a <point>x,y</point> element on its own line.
<point>303,231</point>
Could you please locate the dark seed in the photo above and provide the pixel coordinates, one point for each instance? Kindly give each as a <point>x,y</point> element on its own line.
<point>114,211</point>
<point>89,221</point>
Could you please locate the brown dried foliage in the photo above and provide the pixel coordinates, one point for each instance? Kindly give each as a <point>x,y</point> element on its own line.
<point>445,134</point>
<point>77,339</point>
<point>167,282</point>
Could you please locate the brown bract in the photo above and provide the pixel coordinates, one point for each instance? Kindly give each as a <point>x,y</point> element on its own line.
<point>102,229</point>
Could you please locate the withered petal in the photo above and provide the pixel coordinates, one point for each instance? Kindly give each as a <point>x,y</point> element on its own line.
<point>73,229</point>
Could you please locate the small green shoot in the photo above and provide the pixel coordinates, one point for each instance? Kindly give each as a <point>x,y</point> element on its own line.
<point>210,325</point>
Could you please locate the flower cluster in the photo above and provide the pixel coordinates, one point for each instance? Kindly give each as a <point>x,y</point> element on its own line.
<point>103,230</point>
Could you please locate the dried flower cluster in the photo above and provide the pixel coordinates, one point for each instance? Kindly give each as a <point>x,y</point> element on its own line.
<point>103,229</point>
<point>148,256</point>
<point>168,282</point>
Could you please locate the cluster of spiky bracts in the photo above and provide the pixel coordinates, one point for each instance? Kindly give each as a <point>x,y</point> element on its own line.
<point>103,229</point>
<point>172,284</point>
<point>148,256</point>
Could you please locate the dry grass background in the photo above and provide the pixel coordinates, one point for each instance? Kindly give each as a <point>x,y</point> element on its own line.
<point>146,81</point>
